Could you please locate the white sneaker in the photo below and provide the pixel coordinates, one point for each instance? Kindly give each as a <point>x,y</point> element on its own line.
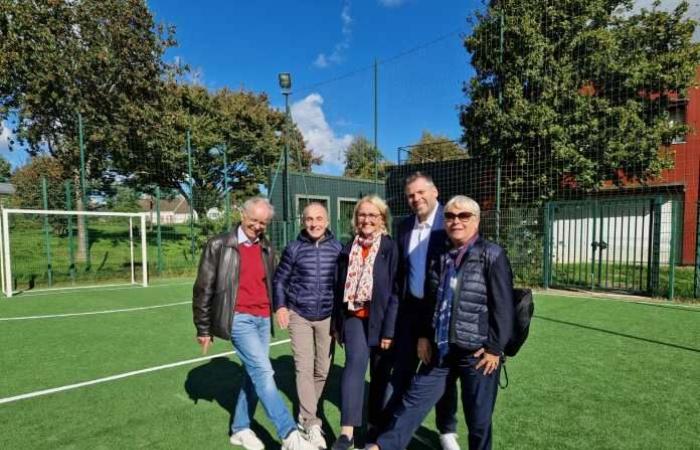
<point>448,441</point>
<point>315,435</point>
<point>247,439</point>
<point>295,441</point>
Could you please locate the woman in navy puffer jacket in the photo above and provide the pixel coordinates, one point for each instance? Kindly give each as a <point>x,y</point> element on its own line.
<point>303,301</point>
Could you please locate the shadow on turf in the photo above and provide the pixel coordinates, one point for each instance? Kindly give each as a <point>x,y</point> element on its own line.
<point>615,333</point>
<point>219,381</point>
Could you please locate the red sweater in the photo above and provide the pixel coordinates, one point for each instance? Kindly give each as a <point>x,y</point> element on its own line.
<point>252,295</point>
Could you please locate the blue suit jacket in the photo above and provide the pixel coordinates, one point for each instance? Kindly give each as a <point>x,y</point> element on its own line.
<point>384,304</point>
<point>437,245</point>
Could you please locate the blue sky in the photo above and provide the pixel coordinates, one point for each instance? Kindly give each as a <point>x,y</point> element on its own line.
<point>236,43</point>
<point>247,43</point>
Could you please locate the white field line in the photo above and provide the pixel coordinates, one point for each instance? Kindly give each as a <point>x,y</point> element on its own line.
<point>93,313</point>
<point>631,299</point>
<point>97,288</point>
<point>69,387</point>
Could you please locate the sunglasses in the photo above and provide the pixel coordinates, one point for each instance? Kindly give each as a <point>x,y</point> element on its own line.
<point>463,216</point>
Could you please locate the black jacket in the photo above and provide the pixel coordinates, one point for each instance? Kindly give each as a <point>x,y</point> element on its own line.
<point>304,279</point>
<point>384,304</point>
<point>214,292</point>
<point>482,310</point>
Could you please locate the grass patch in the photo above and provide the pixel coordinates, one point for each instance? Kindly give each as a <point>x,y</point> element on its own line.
<point>594,374</point>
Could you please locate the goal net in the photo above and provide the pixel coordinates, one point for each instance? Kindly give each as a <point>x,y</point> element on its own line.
<point>53,249</point>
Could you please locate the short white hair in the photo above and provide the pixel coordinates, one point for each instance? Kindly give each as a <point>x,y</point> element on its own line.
<point>252,202</point>
<point>464,202</point>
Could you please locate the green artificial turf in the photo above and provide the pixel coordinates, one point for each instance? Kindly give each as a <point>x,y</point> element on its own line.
<point>595,373</point>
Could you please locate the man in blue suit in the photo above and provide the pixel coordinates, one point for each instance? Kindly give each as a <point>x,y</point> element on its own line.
<point>422,240</point>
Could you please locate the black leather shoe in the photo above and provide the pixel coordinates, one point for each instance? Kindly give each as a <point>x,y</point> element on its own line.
<point>343,443</point>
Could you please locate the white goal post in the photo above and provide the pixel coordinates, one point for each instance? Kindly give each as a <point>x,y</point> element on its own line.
<point>6,256</point>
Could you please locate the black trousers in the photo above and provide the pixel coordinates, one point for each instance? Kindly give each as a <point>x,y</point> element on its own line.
<point>358,355</point>
<point>405,366</point>
<point>428,385</point>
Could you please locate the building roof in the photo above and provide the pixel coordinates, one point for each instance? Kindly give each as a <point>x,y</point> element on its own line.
<point>7,189</point>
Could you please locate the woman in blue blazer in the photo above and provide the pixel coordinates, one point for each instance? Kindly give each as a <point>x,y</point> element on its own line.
<point>364,314</point>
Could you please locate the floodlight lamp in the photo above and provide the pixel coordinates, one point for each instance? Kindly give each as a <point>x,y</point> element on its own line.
<point>285,80</point>
<point>214,151</point>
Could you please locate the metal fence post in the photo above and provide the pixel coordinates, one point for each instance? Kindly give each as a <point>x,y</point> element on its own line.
<point>159,241</point>
<point>696,278</point>
<point>47,235</point>
<point>655,247</point>
<point>547,259</point>
<point>71,243</point>
<point>672,253</point>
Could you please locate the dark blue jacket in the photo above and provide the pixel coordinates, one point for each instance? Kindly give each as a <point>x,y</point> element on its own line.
<point>304,280</point>
<point>384,304</point>
<point>483,310</point>
<point>437,244</point>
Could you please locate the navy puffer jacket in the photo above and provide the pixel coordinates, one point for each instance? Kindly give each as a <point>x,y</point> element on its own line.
<point>304,279</point>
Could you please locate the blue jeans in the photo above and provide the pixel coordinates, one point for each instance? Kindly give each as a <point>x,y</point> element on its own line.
<point>250,336</point>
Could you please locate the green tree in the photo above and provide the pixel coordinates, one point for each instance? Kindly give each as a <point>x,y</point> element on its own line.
<point>360,160</point>
<point>99,58</point>
<point>251,130</point>
<point>435,147</point>
<point>124,199</point>
<point>580,93</point>
<point>28,184</point>
<point>5,169</point>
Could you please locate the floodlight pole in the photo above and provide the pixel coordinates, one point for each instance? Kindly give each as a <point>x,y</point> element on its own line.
<point>285,83</point>
<point>376,120</point>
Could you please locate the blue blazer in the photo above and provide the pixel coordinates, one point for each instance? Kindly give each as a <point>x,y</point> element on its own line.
<point>385,302</point>
<point>437,245</point>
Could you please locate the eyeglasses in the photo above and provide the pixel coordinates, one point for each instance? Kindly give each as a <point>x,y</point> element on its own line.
<point>368,216</point>
<point>463,216</point>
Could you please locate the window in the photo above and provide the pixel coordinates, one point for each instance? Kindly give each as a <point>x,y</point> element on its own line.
<point>303,200</point>
<point>677,115</point>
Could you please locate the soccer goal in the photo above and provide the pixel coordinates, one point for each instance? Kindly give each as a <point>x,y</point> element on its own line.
<point>54,249</point>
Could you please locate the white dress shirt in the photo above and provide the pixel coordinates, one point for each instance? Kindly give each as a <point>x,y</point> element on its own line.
<point>245,240</point>
<point>418,253</point>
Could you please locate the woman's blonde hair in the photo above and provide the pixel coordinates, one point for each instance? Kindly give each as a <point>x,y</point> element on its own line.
<point>381,206</point>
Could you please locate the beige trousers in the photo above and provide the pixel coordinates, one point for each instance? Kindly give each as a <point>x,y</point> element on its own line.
<point>311,346</point>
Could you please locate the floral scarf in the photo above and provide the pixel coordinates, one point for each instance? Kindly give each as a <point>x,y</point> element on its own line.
<point>359,281</point>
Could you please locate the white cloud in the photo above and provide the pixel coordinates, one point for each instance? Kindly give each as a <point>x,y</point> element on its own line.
<point>337,56</point>
<point>5,134</point>
<point>321,61</point>
<point>319,136</point>
<point>391,3</point>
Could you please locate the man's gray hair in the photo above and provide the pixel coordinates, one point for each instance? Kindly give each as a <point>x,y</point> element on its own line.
<point>255,201</point>
<point>464,202</point>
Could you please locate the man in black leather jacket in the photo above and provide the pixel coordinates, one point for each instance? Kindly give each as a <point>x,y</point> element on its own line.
<point>232,300</point>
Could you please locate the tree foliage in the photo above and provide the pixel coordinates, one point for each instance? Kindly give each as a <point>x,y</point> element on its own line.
<point>435,147</point>
<point>5,169</point>
<point>581,91</point>
<point>361,158</point>
<point>242,122</point>
<point>100,58</point>
<point>28,184</point>
<point>104,60</point>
